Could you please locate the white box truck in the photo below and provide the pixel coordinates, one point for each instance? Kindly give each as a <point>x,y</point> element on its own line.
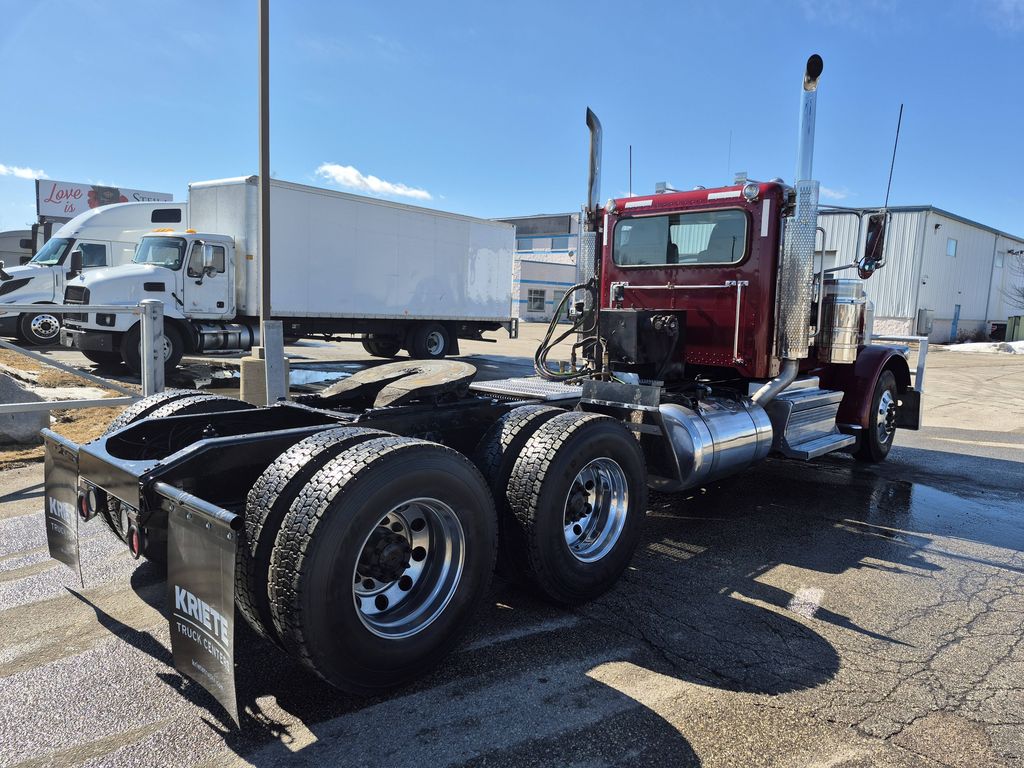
<point>391,275</point>
<point>104,237</point>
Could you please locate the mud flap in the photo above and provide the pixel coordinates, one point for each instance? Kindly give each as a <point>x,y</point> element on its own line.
<point>60,470</point>
<point>201,542</point>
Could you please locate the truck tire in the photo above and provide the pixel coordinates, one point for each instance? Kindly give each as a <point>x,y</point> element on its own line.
<point>495,455</point>
<point>429,341</point>
<point>341,596</point>
<point>267,502</point>
<point>381,346</point>
<point>876,441</point>
<point>140,409</point>
<point>131,348</point>
<point>578,492</point>
<point>39,328</point>
<point>106,360</point>
<point>201,403</point>
<point>172,402</point>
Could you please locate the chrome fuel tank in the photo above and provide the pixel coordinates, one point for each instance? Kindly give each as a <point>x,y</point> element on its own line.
<point>719,438</point>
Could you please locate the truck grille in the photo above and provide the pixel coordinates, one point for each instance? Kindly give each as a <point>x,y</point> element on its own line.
<point>76,294</point>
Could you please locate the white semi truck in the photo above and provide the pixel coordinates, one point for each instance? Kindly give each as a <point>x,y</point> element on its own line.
<point>391,275</point>
<point>104,237</point>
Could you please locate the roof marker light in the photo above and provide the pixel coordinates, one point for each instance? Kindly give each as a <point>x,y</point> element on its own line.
<point>751,191</point>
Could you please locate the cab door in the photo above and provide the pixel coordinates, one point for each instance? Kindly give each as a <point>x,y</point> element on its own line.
<point>209,292</point>
<point>94,254</point>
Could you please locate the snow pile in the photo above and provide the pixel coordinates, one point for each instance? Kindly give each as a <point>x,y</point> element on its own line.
<point>1009,347</point>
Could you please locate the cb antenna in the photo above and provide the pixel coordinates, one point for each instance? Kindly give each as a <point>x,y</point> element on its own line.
<point>899,121</point>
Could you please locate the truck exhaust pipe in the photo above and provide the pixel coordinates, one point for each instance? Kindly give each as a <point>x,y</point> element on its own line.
<point>796,271</point>
<point>594,177</point>
<point>808,109</point>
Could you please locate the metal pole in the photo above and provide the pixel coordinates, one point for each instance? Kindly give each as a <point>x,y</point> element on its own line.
<point>271,332</point>
<point>152,312</point>
<point>264,166</point>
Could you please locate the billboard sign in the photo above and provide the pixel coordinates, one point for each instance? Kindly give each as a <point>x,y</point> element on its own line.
<point>65,200</point>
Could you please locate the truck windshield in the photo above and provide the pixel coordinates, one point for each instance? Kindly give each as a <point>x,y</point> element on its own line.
<point>164,251</point>
<point>701,237</point>
<point>53,252</point>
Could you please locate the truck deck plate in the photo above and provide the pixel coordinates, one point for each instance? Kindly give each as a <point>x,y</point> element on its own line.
<point>534,388</point>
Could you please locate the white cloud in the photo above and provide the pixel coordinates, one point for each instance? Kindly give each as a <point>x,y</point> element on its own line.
<point>835,194</point>
<point>22,173</point>
<point>353,178</point>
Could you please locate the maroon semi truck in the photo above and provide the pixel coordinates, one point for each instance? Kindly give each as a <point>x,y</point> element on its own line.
<point>357,529</point>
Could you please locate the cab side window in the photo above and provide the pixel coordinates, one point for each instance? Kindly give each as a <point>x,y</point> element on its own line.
<point>195,259</point>
<point>93,254</point>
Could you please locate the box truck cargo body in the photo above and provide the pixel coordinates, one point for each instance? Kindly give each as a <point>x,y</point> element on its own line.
<point>104,237</point>
<point>395,276</point>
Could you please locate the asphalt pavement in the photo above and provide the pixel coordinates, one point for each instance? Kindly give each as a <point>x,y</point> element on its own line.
<point>821,614</point>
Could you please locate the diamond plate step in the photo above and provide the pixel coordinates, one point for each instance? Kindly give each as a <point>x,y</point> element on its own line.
<point>812,449</point>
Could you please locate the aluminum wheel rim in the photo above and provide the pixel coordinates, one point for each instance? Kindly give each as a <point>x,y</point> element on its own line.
<point>415,593</point>
<point>596,509</point>
<point>435,342</point>
<point>886,416</point>
<point>45,326</point>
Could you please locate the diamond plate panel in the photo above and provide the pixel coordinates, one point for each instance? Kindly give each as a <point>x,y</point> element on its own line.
<point>586,263</point>
<point>797,274</point>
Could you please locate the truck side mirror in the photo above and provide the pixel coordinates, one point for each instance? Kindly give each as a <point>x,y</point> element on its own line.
<point>874,245</point>
<point>76,262</point>
<point>208,259</point>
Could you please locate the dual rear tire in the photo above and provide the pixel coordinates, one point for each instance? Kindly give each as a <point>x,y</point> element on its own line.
<point>365,554</point>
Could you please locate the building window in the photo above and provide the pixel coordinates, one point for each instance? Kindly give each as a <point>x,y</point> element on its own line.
<point>559,243</point>
<point>536,298</point>
<point>524,244</point>
<point>1000,256</point>
<point>951,247</point>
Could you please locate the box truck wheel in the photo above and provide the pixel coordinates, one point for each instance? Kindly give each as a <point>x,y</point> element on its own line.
<point>131,348</point>
<point>267,502</point>
<point>876,440</point>
<point>381,560</point>
<point>429,341</point>
<point>578,492</point>
<point>495,455</point>
<point>39,328</point>
<point>381,346</point>
<point>102,359</point>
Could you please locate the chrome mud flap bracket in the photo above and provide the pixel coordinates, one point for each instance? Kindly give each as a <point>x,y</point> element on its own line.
<point>201,543</point>
<point>60,471</point>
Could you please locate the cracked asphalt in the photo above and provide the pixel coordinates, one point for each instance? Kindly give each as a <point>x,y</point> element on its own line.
<point>823,614</point>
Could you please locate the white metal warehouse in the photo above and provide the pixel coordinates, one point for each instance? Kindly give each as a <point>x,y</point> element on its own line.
<point>936,261</point>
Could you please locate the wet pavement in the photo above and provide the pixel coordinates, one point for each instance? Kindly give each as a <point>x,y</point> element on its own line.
<point>823,614</point>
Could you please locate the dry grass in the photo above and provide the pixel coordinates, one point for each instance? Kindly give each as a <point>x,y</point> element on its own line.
<point>78,424</point>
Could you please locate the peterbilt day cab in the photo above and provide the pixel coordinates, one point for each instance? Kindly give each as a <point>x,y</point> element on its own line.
<point>357,529</point>
<point>102,237</point>
<point>394,276</point>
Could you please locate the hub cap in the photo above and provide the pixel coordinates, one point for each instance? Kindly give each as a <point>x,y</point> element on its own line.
<point>435,342</point>
<point>409,568</point>
<point>45,326</point>
<point>886,417</point>
<point>596,510</point>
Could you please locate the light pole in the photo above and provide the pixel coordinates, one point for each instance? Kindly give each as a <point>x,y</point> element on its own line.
<point>265,373</point>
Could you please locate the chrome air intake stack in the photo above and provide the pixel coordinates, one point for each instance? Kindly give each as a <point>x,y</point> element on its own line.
<point>796,270</point>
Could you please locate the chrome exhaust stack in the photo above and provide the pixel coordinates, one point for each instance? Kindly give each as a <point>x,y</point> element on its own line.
<point>594,176</point>
<point>796,271</point>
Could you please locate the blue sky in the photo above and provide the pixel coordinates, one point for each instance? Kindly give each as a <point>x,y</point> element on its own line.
<point>477,107</point>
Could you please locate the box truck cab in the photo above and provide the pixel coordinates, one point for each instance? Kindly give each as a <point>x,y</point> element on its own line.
<point>192,273</point>
<point>390,275</point>
<point>104,236</point>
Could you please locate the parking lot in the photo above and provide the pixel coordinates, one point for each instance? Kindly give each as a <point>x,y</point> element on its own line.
<point>799,614</point>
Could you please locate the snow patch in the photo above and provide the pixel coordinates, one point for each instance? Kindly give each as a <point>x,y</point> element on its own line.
<point>1008,347</point>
